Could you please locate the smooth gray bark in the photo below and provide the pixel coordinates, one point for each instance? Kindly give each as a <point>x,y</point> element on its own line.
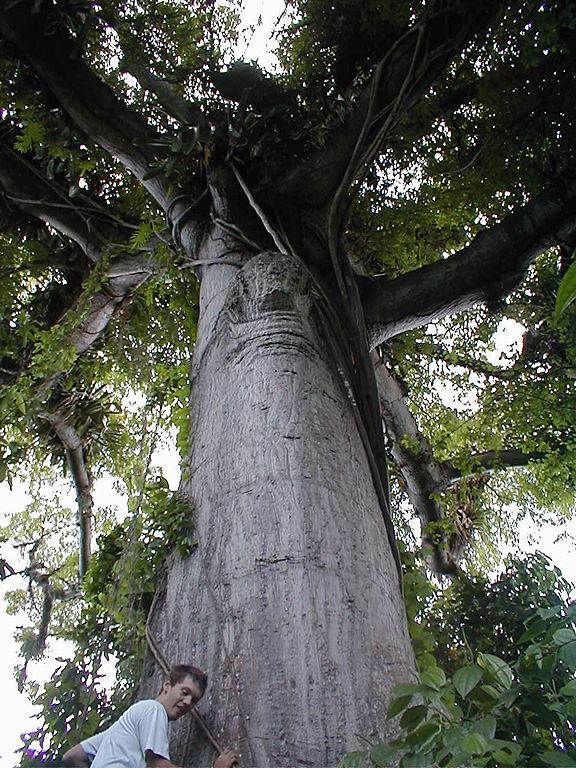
<point>292,601</point>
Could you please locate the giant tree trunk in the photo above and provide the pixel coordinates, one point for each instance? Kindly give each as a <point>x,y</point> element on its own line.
<point>292,601</point>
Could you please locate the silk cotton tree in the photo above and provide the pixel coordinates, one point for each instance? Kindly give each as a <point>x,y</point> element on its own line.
<point>342,230</point>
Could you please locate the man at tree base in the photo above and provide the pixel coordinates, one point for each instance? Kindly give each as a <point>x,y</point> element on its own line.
<point>139,739</point>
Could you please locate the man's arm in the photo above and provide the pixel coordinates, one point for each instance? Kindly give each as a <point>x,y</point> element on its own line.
<point>157,761</point>
<point>76,756</point>
<point>226,760</point>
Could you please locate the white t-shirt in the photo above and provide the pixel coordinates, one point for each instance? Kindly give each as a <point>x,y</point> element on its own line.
<point>144,726</point>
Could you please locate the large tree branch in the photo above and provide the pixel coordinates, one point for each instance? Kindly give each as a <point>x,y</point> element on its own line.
<point>488,269</point>
<point>424,478</point>
<point>123,277</point>
<point>91,104</point>
<point>26,187</point>
<point>489,460</point>
<point>94,227</point>
<point>75,461</point>
<point>175,106</point>
<point>427,480</point>
<point>402,77</point>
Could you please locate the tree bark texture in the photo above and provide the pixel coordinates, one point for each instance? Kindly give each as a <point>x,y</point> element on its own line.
<point>292,601</point>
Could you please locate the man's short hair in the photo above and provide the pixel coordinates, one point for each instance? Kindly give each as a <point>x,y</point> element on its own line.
<point>178,672</point>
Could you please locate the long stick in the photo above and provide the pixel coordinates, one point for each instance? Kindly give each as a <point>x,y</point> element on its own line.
<point>163,664</point>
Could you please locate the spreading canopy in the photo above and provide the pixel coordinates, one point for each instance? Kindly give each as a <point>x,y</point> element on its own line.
<point>417,158</point>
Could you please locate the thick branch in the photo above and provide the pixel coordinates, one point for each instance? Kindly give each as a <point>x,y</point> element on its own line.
<point>124,276</point>
<point>488,460</point>
<point>480,366</point>
<point>174,105</point>
<point>425,479</point>
<point>75,460</point>
<point>404,75</point>
<point>483,272</point>
<point>87,223</point>
<point>82,94</point>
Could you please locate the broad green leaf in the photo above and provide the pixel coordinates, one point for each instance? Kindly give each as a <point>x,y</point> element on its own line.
<point>496,667</point>
<point>565,639</point>
<point>474,744</point>
<point>547,613</point>
<point>354,760</point>
<point>405,689</point>
<point>433,677</point>
<point>454,711</point>
<point>569,689</point>
<point>423,736</point>
<point>558,759</point>
<point>466,678</point>
<point>566,292</point>
<point>492,692</point>
<point>535,628</point>
<point>504,758</point>
<point>20,402</point>
<point>412,717</point>
<point>510,748</point>
<point>458,759</point>
<point>381,755</point>
<point>486,727</point>
<point>507,698</point>
<point>398,705</point>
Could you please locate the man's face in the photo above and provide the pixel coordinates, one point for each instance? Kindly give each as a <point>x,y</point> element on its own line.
<point>180,698</point>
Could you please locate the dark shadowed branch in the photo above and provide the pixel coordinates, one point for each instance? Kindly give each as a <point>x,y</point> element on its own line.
<point>90,103</point>
<point>404,74</point>
<point>489,268</point>
<point>87,222</point>
<point>165,93</point>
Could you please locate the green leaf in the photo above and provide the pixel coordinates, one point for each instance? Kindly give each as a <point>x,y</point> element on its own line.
<point>20,402</point>
<point>424,736</point>
<point>405,689</point>
<point>497,668</point>
<point>398,705</point>
<point>413,717</point>
<point>354,760</point>
<point>507,698</point>
<point>566,292</point>
<point>536,628</point>
<point>504,758</point>
<point>558,759</point>
<point>433,677</point>
<point>381,755</point>
<point>473,744</point>
<point>466,678</point>
<point>565,639</point>
<point>547,613</point>
<point>486,727</point>
<point>506,751</point>
<point>569,689</point>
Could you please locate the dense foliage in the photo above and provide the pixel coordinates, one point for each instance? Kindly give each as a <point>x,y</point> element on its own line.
<point>497,662</point>
<point>94,377</point>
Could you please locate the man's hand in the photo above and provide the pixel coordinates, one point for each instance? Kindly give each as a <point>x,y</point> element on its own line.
<point>226,760</point>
